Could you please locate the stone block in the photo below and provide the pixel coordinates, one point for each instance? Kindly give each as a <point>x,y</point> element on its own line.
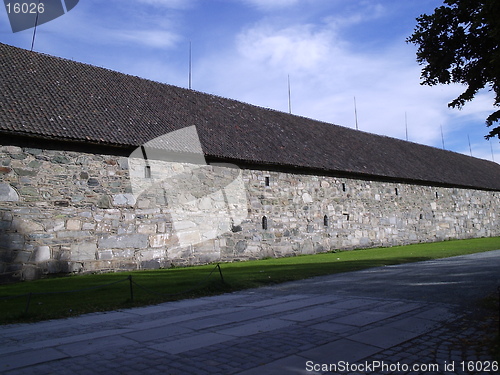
<point>189,237</point>
<point>207,257</point>
<point>33,151</point>
<point>240,246</point>
<point>30,273</point>
<point>60,159</point>
<point>55,267</point>
<point>88,226</point>
<point>58,225</point>
<point>12,149</point>
<point>61,203</point>
<point>105,255</point>
<point>123,163</point>
<point>10,241</point>
<point>306,198</point>
<point>128,216</point>
<point>73,224</point>
<point>7,193</point>
<point>137,241</point>
<point>151,254</point>
<point>144,203</point>
<point>183,225</point>
<point>42,254</point>
<point>83,251</point>
<point>104,202</point>
<point>365,241</point>
<point>307,248</point>
<point>26,172</point>
<point>26,226</point>
<point>162,227</point>
<point>160,240</point>
<point>4,225</point>
<point>21,156</point>
<point>152,264</point>
<point>124,200</point>
<point>73,234</point>
<point>22,256</point>
<point>35,164</point>
<point>123,253</point>
<point>146,228</point>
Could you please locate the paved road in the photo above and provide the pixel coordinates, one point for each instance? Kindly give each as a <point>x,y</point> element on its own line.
<point>459,280</point>
<point>413,315</point>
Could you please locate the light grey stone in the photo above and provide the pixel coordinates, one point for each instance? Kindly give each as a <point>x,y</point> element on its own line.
<point>124,241</point>
<point>7,193</point>
<point>83,251</point>
<point>42,253</point>
<point>123,163</point>
<point>25,225</point>
<point>124,200</point>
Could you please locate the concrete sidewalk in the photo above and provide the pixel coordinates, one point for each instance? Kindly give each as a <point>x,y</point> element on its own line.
<point>410,314</point>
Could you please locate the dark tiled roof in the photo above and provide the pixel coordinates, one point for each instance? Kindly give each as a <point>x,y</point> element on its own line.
<point>49,97</point>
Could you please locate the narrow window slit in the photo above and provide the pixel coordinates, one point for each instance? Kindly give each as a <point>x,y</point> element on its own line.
<point>264,223</point>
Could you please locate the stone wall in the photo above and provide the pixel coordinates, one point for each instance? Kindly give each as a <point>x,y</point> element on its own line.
<point>63,212</point>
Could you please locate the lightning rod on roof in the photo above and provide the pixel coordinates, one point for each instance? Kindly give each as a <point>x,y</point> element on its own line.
<point>190,66</point>
<point>356,113</point>
<point>470,147</point>
<point>406,126</point>
<point>492,155</point>
<point>442,136</point>
<point>34,30</point>
<point>289,96</point>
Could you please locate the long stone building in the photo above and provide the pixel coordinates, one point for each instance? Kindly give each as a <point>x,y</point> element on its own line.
<point>104,171</point>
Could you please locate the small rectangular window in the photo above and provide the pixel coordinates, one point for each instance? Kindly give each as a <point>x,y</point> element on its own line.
<point>268,182</point>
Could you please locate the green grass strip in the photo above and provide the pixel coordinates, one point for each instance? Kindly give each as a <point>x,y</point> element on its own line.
<point>168,283</point>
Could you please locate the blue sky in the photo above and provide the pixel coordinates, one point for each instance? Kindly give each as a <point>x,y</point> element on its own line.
<point>333,51</point>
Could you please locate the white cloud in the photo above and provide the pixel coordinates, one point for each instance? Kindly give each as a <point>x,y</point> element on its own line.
<point>151,38</point>
<point>292,48</point>
<point>357,15</point>
<point>326,74</point>
<point>172,4</point>
<point>271,4</point>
